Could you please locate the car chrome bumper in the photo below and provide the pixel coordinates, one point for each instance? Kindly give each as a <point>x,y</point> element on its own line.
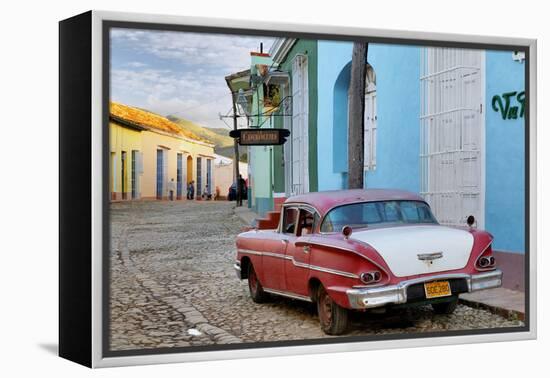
<point>362,298</point>
<point>237,267</point>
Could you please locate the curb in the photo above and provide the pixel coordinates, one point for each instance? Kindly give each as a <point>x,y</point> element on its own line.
<point>504,312</point>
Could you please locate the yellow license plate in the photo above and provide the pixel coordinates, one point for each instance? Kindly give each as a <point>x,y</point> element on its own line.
<point>437,289</point>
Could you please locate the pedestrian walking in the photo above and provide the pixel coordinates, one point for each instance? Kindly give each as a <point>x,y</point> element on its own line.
<point>192,190</point>
<point>241,184</point>
<point>171,189</point>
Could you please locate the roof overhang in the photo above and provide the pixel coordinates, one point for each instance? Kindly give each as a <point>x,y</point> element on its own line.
<point>127,123</point>
<point>238,80</point>
<point>280,49</point>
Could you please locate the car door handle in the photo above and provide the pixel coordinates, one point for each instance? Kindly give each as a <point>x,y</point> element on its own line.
<point>284,241</point>
<point>306,248</point>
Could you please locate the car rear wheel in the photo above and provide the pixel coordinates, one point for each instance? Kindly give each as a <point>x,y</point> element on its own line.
<point>446,308</point>
<point>333,318</point>
<point>257,292</point>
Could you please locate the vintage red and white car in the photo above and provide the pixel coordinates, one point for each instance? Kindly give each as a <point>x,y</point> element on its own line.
<point>364,249</point>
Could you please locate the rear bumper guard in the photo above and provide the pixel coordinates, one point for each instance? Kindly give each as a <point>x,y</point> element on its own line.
<point>363,298</point>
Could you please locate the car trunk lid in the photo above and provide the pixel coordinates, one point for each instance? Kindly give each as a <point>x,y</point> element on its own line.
<point>419,249</point>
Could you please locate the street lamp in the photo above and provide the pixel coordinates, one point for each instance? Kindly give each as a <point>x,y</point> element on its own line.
<point>243,102</point>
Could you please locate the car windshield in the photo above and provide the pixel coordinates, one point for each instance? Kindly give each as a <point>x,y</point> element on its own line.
<point>377,214</point>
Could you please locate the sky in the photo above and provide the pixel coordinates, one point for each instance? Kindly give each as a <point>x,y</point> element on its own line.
<point>178,73</point>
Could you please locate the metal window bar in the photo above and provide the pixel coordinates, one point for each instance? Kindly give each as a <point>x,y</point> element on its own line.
<point>450,132</point>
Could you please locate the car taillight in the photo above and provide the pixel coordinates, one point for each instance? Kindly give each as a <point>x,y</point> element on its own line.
<point>371,277</point>
<point>486,260</point>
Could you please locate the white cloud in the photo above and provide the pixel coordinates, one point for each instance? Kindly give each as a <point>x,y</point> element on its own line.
<point>193,86</point>
<point>195,97</point>
<point>136,64</point>
<point>228,52</point>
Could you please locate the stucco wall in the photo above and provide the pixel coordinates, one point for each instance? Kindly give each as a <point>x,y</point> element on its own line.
<point>122,139</point>
<point>397,71</point>
<point>332,56</point>
<point>505,151</point>
<point>151,142</point>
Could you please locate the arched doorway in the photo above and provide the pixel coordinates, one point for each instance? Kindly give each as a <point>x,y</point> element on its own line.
<point>371,119</point>
<point>340,119</point>
<point>189,169</point>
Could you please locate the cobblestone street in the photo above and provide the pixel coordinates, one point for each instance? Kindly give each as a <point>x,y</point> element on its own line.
<point>173,285</point>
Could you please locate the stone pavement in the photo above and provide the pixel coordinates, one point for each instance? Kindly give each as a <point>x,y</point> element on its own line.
<point>173,285</point>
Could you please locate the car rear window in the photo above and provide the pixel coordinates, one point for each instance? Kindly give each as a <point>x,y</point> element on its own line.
<point>380,213</point>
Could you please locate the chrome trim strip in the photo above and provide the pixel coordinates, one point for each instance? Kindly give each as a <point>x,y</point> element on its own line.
<point>297,205</point>
<point>301,265</point>
<point>325,270</point>
<point>395,294</point>
<point>303,205</point>
<point>287,294</point>
<point>351,251</point>
<point>237,267</point>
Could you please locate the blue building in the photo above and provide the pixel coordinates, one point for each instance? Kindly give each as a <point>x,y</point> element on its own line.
<point>446,123</point>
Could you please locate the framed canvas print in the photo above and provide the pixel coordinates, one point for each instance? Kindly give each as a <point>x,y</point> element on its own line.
<point>232,189</point>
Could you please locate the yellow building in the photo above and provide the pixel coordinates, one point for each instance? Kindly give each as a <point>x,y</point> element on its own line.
<point>148,151</point>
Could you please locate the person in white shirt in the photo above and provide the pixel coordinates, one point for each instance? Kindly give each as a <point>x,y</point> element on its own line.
<point>171,189</point>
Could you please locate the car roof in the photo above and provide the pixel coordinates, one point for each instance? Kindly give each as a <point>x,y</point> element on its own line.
<point>326,200</point>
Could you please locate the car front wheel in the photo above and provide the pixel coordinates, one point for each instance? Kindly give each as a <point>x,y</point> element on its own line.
<point>257,292</point>
<point>333,318</point>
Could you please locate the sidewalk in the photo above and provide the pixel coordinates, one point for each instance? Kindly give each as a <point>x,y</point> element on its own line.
<point>501,301</point>
<point>246,215</point>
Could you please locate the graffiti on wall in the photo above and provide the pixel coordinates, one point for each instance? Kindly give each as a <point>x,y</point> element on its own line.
<point>510,105</point>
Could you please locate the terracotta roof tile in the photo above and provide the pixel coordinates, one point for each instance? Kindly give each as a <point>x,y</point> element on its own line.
<point>150,121</point>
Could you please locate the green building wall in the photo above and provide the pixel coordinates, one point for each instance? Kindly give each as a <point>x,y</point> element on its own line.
<point>260,156</point>
<point>309,49</point>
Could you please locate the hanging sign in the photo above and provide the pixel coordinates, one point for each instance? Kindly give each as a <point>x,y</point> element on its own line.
<point>260,137</point>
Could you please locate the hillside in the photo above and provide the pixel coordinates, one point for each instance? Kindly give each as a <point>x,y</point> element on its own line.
<point>219,136</point>
<point>150,120</point>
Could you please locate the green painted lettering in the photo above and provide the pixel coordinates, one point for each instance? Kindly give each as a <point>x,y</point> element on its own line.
<point>521,100</point>
<point>498,101</point>
<point>501,104</point>
<point>513,113</point>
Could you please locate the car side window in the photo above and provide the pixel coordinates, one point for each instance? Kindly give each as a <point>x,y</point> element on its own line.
<point>290,216</point>
<point>306,223</point>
